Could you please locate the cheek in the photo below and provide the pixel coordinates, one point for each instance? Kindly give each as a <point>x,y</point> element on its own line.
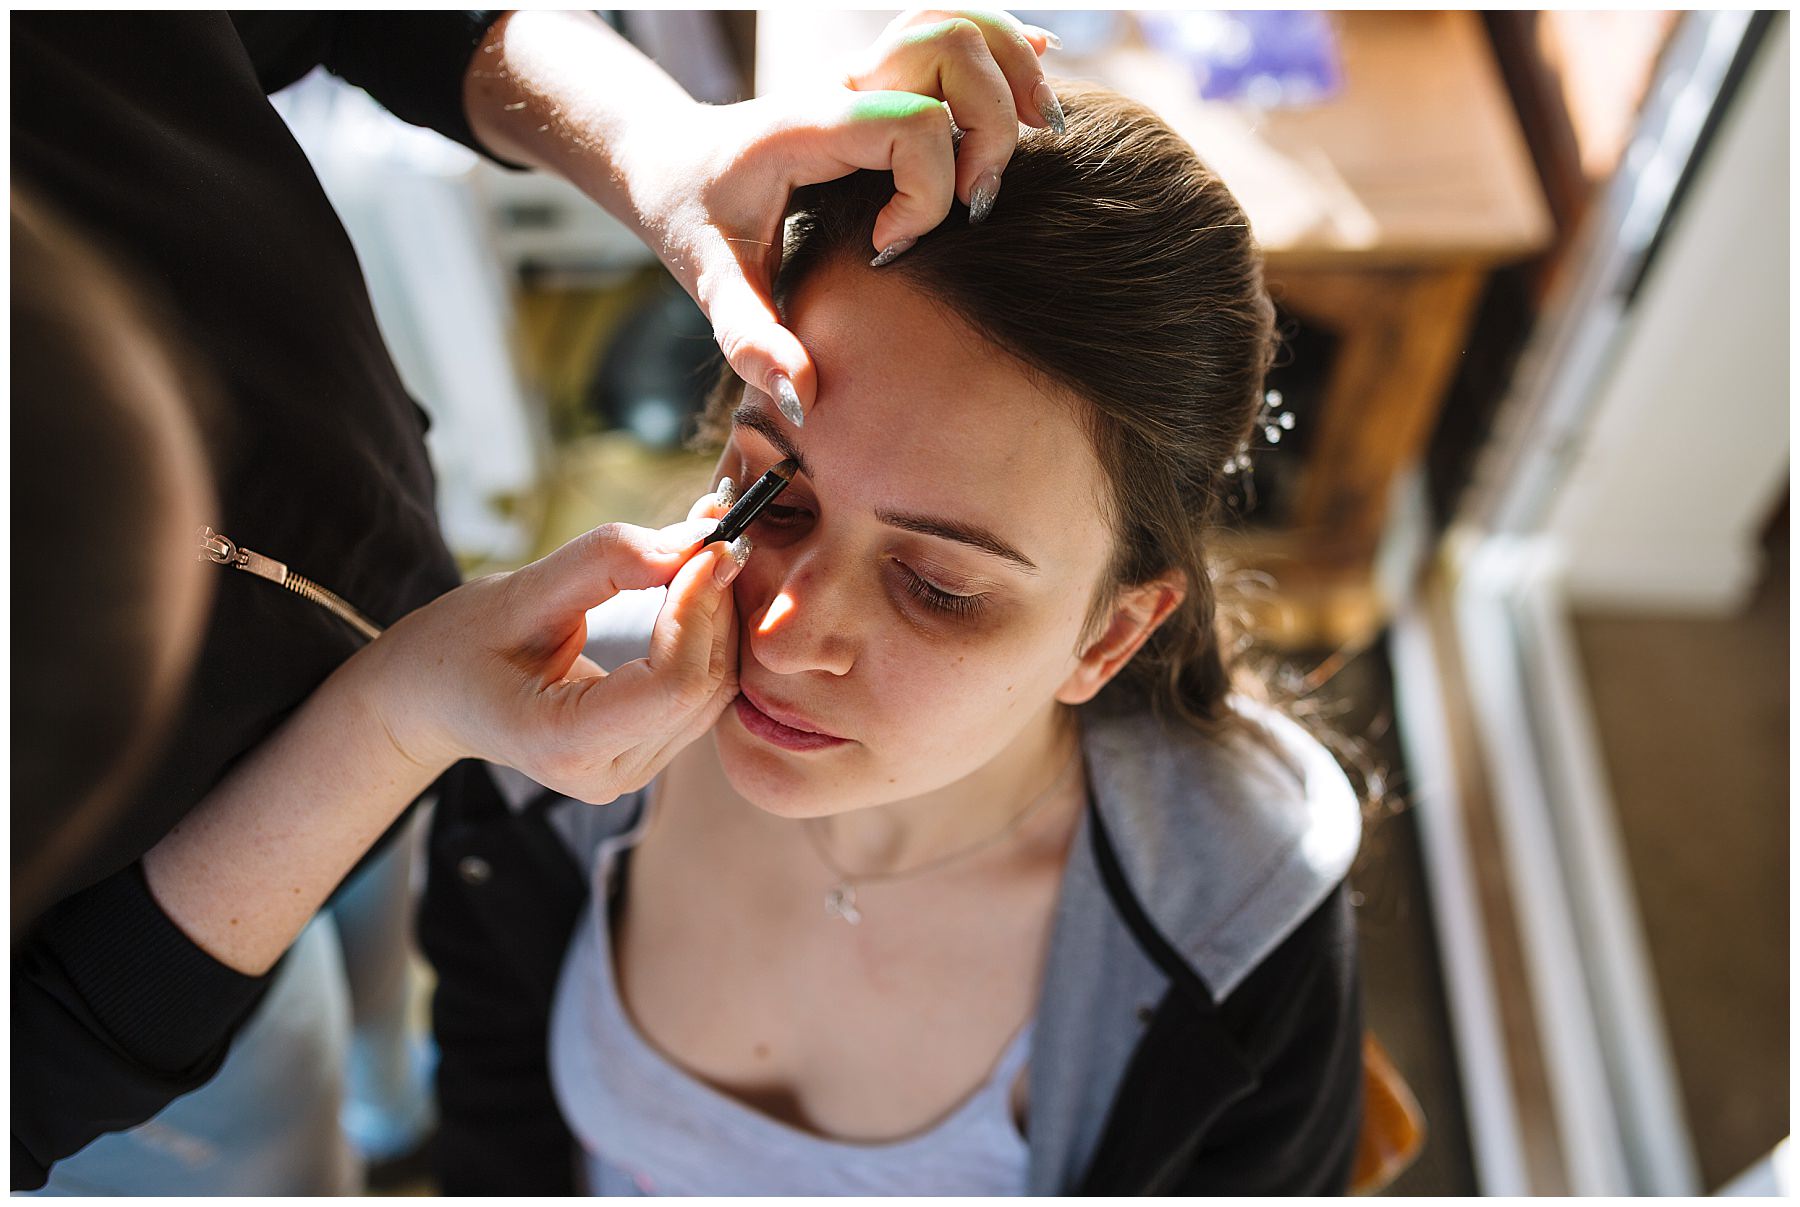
<point>954,700</point>
<point>930,701</point>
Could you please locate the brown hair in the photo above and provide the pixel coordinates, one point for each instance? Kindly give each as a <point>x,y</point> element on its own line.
<point>103,444</point>
<point>1118,267</point>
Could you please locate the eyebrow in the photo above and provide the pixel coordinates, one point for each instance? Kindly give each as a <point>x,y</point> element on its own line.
<point>757,420</point>
<point>952,530</point>
<point>749,415</point>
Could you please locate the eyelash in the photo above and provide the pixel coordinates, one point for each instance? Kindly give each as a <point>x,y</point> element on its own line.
<point>936,597</point>
<point>928,594</point>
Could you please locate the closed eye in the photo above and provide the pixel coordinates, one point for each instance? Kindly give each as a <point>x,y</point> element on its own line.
<point>778,515</point>
<point>935,597</point>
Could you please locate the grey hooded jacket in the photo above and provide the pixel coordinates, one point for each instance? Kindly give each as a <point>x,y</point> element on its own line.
<point>1198,1029</point>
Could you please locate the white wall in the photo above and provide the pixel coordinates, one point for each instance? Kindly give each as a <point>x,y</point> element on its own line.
<point>1688,448</point>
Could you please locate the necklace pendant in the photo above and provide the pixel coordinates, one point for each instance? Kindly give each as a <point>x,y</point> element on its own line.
<point>840,902</point>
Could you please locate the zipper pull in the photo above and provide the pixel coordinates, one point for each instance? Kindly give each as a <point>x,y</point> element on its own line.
<point>221,550</point>
<point>217,548</point>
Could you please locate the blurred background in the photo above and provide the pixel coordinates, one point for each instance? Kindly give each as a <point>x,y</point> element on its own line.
<point>1525,543</point>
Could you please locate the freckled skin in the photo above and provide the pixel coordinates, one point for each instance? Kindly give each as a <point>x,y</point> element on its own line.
<point>874,1031</point>
<point>918,414</point>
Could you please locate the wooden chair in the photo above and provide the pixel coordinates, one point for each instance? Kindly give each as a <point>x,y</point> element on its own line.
<point>1393,1130</point>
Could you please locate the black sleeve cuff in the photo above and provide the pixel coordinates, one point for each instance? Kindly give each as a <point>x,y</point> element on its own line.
<point>160,998</point>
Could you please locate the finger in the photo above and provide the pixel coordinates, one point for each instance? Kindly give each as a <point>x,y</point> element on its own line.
<point>1041,39</point>
<point>1016,48</point>
<point>597,565</point>
<point>734,291</point>
<point>715,502</point>
<point>652,697</point>
<point>900,132</point>
<point>953,60</point>
<point>724,667</point>
<point>895,60</point>
<point>613,732</point>
<point>683,639</point>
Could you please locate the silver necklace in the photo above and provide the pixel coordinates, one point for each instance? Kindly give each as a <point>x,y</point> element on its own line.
<point>840,898</point>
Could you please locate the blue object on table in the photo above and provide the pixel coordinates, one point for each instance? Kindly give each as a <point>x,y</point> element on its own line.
<point>1268,59</point>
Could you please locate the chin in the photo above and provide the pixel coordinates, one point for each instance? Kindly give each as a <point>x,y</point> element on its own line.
<point>783,784</point>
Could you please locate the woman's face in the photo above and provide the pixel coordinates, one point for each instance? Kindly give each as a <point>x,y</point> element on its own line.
<point>917,596</point>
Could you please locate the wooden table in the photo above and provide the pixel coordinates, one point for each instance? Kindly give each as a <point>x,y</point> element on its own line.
<point>1380,212</point>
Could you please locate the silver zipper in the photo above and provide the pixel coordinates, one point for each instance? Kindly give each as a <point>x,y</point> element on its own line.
<point>222,550</point>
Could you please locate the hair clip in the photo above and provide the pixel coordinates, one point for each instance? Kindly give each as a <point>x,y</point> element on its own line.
<point>1273,420</point>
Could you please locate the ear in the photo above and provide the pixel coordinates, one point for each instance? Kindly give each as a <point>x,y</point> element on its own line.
<point>1135,615</point>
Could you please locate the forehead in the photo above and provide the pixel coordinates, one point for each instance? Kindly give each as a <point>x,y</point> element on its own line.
<point>917,411</point>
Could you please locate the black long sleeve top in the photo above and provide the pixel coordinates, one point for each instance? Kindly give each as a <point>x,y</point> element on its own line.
<point>153,133</point>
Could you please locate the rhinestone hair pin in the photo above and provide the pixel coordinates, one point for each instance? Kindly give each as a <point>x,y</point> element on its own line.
<point>1272,419</point>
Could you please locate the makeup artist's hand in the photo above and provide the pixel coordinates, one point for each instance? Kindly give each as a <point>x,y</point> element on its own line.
<point>984,65</point>
<point>706,186</point>
<point>494,669</point>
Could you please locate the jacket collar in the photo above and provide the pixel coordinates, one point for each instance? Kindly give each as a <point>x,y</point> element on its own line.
<point>1226,845</point>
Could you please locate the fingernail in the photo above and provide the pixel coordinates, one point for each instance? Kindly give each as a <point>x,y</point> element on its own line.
<point>892,252</point>
<point>1050,39</point>
<point>787,399</point>
<point>727,568</point>
<point>688,532</point>
<point>981,197</point>
<point>1049,108</point>
<point>727,492</point>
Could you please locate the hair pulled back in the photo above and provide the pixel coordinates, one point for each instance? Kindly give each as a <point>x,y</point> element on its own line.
<point>1118,267</point>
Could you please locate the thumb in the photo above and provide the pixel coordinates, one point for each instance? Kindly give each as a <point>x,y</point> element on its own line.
<point>649,698</point>
<point>597,565</point>
<point>748,329</point>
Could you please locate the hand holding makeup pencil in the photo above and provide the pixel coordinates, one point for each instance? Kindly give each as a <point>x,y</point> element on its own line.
<point>511,685</point>
<point>493,670</point>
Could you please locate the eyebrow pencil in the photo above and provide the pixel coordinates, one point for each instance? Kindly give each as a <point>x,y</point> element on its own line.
<point>761,493</point>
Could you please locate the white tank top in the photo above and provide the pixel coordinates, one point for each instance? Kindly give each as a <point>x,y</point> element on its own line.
<point>646,1126</point>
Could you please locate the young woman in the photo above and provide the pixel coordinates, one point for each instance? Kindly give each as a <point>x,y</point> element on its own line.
<point>986,882</point>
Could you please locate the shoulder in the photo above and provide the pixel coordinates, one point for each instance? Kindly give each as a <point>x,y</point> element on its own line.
<point>1228,844</point>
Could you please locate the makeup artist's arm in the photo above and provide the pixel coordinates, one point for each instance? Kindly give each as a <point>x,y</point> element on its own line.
<point>706,186</point>
<point>483,672</point>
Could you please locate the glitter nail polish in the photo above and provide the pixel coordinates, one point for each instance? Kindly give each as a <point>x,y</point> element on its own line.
<point>787,399</point>
<point>892,252</point>
<point>982,196</point>
<point>1048,107</point>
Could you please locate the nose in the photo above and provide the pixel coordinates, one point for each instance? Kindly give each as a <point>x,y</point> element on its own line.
<point>805,613</point>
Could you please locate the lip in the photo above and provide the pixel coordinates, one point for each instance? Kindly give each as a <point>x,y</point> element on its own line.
<point>781,726</point>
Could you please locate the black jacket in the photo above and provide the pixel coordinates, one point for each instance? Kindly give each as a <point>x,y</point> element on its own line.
<point>1257,1093</point>
<point>152,134</point>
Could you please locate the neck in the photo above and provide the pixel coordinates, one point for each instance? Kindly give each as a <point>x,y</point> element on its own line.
<point>912,832</point>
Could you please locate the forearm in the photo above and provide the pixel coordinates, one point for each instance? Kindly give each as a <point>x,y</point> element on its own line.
<point>245,870</point>
<point>562,92</point>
